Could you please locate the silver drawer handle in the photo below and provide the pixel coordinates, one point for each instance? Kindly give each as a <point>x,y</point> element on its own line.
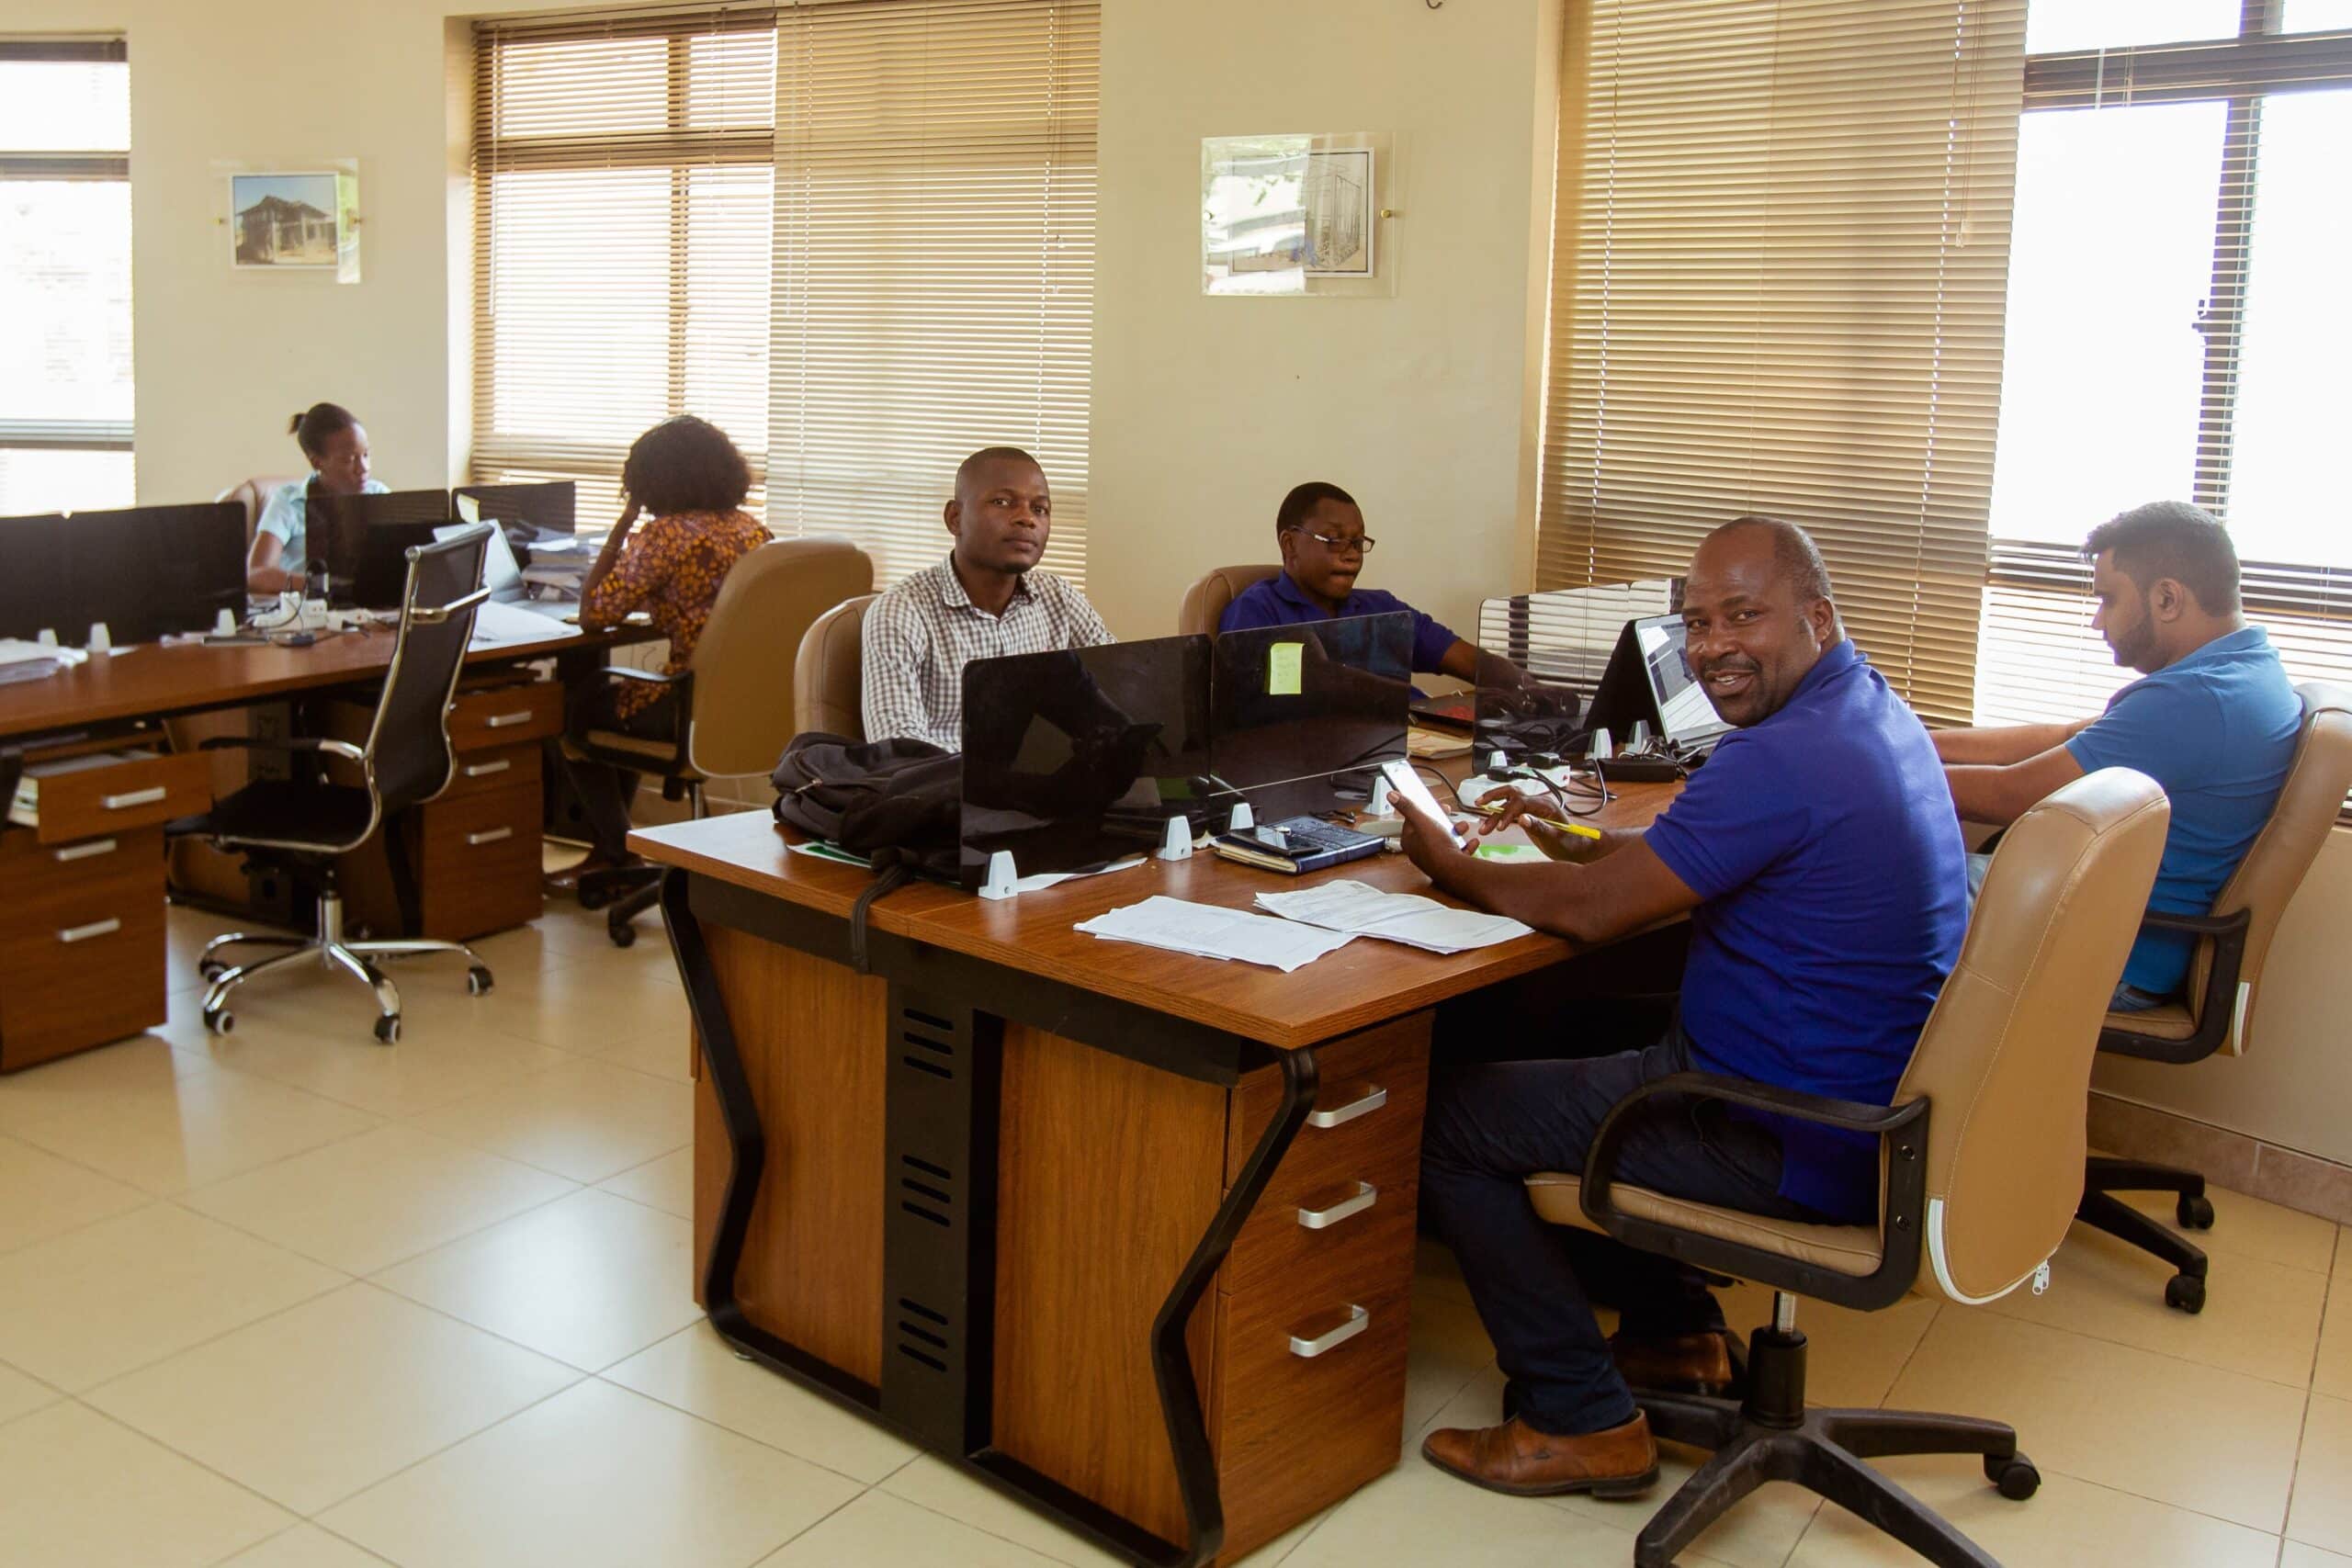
<point>1358,1321</point>
<point>1374,1098</point>
<point>1362,1198</point>
<point>83,852</point>
<point>484,769</point>
<point>488,836</point>
<point>501,720</point>
<point>83,933</point>
<point>135,797</point>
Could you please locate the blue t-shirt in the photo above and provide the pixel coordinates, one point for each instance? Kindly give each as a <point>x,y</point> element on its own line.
<point>2217,730</point>
<point>281,517</point>
<point>1835,892</point>
<point>1277,602</point>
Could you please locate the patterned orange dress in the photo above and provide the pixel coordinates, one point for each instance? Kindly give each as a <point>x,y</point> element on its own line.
<point>672,569</point>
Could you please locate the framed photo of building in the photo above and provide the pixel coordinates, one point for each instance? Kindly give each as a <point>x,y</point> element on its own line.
<point>1298,214</point>
<point>301,221</point>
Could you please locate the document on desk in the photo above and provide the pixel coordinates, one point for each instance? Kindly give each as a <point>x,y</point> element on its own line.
<point>1207,932</point>
<point>1361,909</point>
<point>497,625</point>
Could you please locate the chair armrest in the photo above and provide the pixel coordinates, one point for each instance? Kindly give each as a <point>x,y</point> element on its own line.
<point>290,745</point>
<point>2217,1009</point>
<point>1902,1129</point>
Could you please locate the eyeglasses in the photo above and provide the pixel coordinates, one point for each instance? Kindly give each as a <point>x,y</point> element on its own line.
<point>1359,545</point>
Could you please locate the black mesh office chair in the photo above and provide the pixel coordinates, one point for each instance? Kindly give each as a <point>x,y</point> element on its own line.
<point>301,825</point>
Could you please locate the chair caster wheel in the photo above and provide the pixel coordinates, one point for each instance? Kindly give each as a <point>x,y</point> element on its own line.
<point>2195,1212</point>
<point>211,968</point>
<point>219,1021</point>
<point>623,933</point>
<point>387,1029</point>
<point>2185,1292</point>
<point>594,898</point>
<point>478,981</point>
<point>2015,1476</point>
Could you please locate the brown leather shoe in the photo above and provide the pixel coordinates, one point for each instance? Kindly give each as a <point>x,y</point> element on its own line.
<point>1517,1458</point>
<point>1674,1364</point>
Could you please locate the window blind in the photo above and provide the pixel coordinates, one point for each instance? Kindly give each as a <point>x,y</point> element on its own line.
<point>623,173</point>
<point>1781,232</point>
<point>65,387</point>
<point>934,262</point>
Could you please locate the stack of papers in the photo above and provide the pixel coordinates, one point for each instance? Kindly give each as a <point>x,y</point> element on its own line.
<point>1358,908</point>
<point>1207,932</point>
<point>497,625</point>
<point>22,660</point>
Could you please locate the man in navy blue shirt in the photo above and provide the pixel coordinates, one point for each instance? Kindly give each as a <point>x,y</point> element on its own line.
<point>1820,862</point>
<point>2214,721</point>
<point>1320,530</point>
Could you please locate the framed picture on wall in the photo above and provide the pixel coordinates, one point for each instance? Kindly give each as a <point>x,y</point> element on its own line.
<point>303,221</point>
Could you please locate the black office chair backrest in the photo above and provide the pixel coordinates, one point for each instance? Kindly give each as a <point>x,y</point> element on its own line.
<point>409,743</point>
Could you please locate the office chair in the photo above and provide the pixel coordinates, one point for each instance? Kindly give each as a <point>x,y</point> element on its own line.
<point>253,494</point>
<point>734,707</point>
<point>829,678</point>
<point>1207,601</point>
<point>2217,1014</point>
<point>302,825</point>
<point>1979,1150</point>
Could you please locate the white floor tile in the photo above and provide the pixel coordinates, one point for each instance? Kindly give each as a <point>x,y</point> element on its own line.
<point>667,1184</point>
<point>78,1491</point>
<point>700,1373</point>
<point>881,1531</point>
<point>583,1121</point>
<point>47,1196</point>
<point>207,1127</point>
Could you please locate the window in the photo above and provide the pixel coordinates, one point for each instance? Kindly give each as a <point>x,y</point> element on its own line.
<point>2177,326</point>
<point>65,406</point>
<point>1777,265</point>
<point>859,236</point>
<point>623,179</point>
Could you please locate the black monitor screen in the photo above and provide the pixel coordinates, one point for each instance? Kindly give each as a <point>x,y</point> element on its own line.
<point>1306,714</point>
<point>549,508</point>
<point>144,570</point>
<point>1079,758</point>
<point>364,542</point>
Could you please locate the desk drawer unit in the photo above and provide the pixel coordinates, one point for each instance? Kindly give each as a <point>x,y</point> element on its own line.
<point>487,773</point>
<point>138,794</point>
<point>477,861</point>
<point>81,943</point>
<point>494,717</point>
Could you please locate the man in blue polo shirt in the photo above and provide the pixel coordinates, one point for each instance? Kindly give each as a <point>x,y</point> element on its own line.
<point>2214,721</point>
<point>1320,530</point>
<point>1819,858</point>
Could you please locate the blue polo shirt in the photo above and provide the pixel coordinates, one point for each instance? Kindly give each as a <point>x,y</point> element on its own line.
<point>1277,602</point>
<point>1835,890</point>
<point>2218,731</point>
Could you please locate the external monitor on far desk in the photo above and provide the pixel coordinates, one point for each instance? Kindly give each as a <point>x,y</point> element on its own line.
<point>550,507</point>
<point>143,570</point>
<point>363,541</point>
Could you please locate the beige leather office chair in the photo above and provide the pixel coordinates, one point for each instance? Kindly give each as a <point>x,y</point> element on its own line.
<point>1981,1148</point>
<point>253,494</point>
<point>2218,1011</point>
<point>1206,601</point>
<point>828,680</point>
<point>734,705</point>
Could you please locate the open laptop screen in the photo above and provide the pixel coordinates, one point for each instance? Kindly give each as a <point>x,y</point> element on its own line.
<point>1684,713</point>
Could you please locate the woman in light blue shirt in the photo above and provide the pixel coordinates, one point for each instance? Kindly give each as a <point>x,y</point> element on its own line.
<point>336,443</point>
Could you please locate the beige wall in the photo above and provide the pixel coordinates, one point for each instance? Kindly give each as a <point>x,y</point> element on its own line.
<point>1207,411</point>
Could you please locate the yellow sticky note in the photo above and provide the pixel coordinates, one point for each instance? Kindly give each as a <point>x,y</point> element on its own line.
<point>1281,669</point>
<point>468,508</point>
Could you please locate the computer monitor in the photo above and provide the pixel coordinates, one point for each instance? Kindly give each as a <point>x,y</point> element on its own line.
<point>144,570</point>
<point>363,542</point>
<point>550,507</point>
<point>1303,715</point>
<point>1078,758</point>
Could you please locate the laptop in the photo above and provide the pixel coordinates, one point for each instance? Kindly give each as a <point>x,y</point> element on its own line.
<point>1685,716</point>
<point>501,572</point>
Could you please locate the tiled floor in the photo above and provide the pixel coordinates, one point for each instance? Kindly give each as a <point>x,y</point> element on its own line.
<point>289,1300</point>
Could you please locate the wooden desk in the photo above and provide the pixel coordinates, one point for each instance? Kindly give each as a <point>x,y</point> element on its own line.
<point>1126,1234</point>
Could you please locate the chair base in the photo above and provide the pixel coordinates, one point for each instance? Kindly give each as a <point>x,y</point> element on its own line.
<point>332,949</point>
<point>623,891</point>
<point>2102,1176</point>
<point>1770,1436</point>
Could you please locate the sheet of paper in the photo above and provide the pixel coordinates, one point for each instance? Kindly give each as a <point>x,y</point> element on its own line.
<point>1207,932</point>
<point>1283,663</point>
<point>496,624</point>
<point>467,507</point>
<point>1362,910</point>
<point>1049,878</point>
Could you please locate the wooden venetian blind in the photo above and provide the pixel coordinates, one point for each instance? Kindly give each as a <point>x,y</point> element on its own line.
<point>1779,265</point>
<point>623,177</point>
<point>934,262</point>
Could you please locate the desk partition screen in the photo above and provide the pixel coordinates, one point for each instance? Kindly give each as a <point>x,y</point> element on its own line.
<point>549,508</point>
<point>364,541</point>
<point>1079,758</point>
<point>1563,639</point>
<point>144,570</point>
<point>1305,713</point>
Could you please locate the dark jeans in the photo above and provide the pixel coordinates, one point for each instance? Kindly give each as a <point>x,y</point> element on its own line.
<point>1491,1125</point>
<point>605,791</point>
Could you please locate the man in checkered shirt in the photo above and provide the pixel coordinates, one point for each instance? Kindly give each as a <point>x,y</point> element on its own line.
<point>985,600</point>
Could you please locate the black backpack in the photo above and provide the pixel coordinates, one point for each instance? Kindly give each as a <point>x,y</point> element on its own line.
<point>899,803</point>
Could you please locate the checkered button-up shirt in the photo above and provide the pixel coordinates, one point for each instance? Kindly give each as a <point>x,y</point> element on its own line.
<point>918,636</point>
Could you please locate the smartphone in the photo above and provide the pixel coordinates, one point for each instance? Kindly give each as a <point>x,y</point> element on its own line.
<point>1403,780</point>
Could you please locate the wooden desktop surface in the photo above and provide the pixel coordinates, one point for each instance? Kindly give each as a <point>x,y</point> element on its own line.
<point>156,681</point>
<point>1362,984</point>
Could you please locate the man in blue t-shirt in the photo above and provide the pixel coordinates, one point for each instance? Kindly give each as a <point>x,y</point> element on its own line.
<point>1819,861</point>
<point>1320,530</point>
<point>2214,721</point>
